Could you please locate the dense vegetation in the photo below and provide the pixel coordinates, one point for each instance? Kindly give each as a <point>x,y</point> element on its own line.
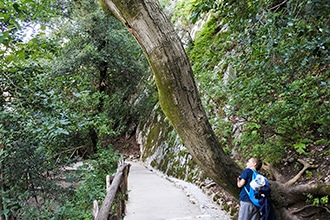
<point>263,73</point>
<point>268,61</point>
<point>69,87</point>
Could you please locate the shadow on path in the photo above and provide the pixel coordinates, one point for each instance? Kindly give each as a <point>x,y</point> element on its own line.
<point>153,197</point>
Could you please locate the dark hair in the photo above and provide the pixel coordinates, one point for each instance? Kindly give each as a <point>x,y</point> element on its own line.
<point>258,163</point>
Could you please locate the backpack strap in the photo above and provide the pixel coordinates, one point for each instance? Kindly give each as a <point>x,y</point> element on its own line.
<point>255,173</point>
<point>251,192</point>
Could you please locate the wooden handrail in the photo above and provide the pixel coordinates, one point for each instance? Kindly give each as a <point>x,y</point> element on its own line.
<point>117,186</point>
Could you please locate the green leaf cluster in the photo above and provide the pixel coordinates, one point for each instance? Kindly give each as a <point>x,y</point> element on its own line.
<point>266,64</point>
<point>92,185</point>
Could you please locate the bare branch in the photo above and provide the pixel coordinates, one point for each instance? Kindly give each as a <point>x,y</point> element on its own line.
<point>295,179</point>
<point>277,6</point>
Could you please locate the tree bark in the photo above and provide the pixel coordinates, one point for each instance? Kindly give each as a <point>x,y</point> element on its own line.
<point>178,94</point>
<point>180,101</point>
<point>287,199</point>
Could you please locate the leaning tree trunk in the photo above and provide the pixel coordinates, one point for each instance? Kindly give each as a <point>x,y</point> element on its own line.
<point>178,94</point>
<point>180,101</point>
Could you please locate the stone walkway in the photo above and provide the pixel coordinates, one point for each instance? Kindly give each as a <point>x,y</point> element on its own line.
<point>152,196</point>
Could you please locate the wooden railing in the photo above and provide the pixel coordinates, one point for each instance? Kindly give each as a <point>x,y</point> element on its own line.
<point>114,204</point>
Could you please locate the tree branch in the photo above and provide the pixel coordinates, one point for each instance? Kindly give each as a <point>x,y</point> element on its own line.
<point>295,179</point>
<point>277,6</point>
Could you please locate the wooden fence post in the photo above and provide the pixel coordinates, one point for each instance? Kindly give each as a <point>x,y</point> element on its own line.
<point>108,183</point>
<point>119,181</point>
<point>95,209</point>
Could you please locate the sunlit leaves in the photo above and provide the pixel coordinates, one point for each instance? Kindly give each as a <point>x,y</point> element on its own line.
<point>17,15</point>
<point>278,66</point>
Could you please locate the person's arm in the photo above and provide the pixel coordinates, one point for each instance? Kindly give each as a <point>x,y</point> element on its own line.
<point>240,182</point>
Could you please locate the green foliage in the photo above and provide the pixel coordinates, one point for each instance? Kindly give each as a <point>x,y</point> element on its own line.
<point>57,102</point>
<point>200,8</point>
<point>182,11</point>
<point>270,63</point>
<point>300,148</point>
<point>309,174</point>
<point>15,15</point>
<point>106,61</point>
<point>25,161</point>
<point>318,201</point>
<point>92,185</point>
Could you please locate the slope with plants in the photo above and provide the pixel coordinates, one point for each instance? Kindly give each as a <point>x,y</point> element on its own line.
<point>263,71</point>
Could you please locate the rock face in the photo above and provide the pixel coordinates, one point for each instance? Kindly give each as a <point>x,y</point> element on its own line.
<point>159,143</point>
<point>162,149</point>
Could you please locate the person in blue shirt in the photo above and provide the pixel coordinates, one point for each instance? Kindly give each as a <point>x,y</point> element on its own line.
<point>247,210</point>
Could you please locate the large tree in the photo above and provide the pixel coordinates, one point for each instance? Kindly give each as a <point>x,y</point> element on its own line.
<point>178,94</point>
<point>180,101</point>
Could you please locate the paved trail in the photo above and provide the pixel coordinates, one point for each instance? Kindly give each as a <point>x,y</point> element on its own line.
<point>153,197</point>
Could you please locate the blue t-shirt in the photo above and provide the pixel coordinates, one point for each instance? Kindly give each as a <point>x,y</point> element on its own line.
<point>247,175</point>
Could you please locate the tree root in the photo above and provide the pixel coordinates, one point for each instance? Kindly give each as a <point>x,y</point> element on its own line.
<point>279,177</point>
<point>295,178</point>
<point>273,172</point>
<point>312,213</point>
<point>286,214</point>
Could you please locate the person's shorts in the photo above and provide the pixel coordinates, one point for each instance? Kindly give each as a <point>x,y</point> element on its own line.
<point>248,211</point>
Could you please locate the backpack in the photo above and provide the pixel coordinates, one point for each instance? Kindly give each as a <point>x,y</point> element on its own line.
<point>259,195</point>
<point>258,186</point>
